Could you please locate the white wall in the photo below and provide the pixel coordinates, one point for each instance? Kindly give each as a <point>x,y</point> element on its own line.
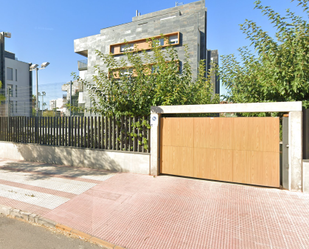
<point>23,87</point>
<point>117,161</point>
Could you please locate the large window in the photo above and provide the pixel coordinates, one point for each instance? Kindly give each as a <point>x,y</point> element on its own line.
<point>171,39</point>
<point>127,47</point>
<point>10,73</point>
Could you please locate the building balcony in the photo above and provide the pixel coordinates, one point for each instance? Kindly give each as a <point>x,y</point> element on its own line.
<point>82,65</point>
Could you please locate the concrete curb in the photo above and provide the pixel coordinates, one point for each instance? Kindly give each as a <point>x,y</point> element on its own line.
<point>36,219</point>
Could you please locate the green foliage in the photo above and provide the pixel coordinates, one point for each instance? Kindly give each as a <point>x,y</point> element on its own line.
<point>279,68</point>
<point>2,96</point>
<point>138,80</point>
<point>130,84</point>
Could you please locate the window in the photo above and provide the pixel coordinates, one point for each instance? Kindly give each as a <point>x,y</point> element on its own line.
<point>10,73</point>
<point>10,90</point>
<point>126,71</point>
<point>16,76</point>
<point>127,47</point>
<point>173,39</point>
<point>158,42</point>
<point>15,106</point>
<point>16,91</point>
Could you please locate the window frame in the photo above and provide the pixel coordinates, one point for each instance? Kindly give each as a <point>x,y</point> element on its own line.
<point>9,74</point>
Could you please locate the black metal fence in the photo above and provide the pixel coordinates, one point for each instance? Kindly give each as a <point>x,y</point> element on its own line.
<point>122,134</point>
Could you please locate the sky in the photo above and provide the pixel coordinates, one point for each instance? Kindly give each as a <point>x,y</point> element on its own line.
<point>45,30</point>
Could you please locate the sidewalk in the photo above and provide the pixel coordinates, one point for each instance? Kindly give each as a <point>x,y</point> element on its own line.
<point>140,211</point>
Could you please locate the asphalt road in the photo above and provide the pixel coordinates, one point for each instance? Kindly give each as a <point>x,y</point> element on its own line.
<point>15,234</point>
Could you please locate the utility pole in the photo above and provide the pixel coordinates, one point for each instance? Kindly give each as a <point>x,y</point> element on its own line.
<point>71,98</point>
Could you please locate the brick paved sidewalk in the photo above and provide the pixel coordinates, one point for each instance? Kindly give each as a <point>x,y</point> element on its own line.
<point>140,211</point>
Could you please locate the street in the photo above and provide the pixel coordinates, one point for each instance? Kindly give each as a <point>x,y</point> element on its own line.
<point>18,234</point>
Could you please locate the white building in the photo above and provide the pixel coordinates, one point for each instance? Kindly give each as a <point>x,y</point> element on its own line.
<point>58,105</point>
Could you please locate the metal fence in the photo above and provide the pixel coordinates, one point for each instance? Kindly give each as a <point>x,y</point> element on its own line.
<point>122,134</point>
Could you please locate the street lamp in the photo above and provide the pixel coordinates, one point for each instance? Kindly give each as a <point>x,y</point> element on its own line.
<point>32,68</point>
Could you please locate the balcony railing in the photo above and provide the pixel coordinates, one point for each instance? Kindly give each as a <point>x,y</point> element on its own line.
<point>82,65</point>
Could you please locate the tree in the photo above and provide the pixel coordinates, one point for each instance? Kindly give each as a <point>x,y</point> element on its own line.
<point>138,80</point>
<point>278,69</point>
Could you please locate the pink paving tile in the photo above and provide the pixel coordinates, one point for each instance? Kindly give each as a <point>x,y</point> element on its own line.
<point>139,211</point>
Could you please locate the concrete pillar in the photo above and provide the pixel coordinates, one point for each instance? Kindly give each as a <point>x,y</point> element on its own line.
<point>295,150</point>
<point>154,143</point>
<point>306,176</point>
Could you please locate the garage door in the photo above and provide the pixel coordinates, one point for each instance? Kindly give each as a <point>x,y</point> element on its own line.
<point>242,150</point>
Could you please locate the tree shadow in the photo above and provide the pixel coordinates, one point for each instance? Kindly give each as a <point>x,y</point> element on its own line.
<point>49,161</point>
<point>41,171</point>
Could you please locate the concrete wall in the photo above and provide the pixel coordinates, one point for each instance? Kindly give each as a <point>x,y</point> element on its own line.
<point>78,157</point>
<point>306,176</point>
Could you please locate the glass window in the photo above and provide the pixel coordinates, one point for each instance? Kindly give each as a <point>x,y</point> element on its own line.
<point>126,71</point>
<point>16,91</point>
<point>158,42</point>
<point>127,47</point>
<point>10,73</point>
<point>15,106</point>
<point>173,39</point>
<point>16,76</point>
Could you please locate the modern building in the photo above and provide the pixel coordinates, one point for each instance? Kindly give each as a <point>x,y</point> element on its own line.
<point>184,24</point>
<point>16,81</point>
<point>58,105</point>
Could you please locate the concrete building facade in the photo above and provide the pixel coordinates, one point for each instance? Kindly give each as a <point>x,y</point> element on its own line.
<point>16,81</point>
<point>184,24</point>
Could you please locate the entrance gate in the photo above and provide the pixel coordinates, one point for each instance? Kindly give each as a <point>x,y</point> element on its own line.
<point>242,150</point>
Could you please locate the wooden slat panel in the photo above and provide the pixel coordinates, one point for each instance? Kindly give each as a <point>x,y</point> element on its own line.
<point>271,169</point>
<point>244,150</point>
<point>213,133</point>
<point>201,163</point>
<point>241,136</point>
<point>255,162</point>
<point>183,157</point>
<point>168,165</point>
<point>224,165</point>
<point>181,132</point>
<point>256,131</point>
<point>201,133</point>
<point>241,167</point>
<point>225,133</point>
<point>271,138</point>
<point>166,135</point>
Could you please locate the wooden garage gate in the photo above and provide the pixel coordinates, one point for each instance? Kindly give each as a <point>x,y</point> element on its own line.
<point>243,150</point>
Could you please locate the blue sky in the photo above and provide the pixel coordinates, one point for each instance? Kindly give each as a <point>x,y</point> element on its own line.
<point>45,30</point>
